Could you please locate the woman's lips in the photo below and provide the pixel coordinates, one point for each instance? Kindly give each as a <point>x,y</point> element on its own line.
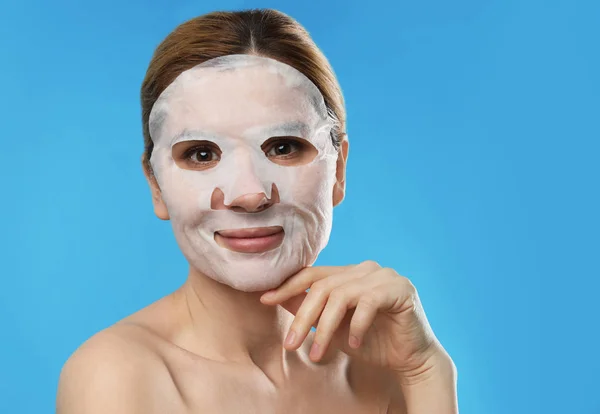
<point>252,240</point>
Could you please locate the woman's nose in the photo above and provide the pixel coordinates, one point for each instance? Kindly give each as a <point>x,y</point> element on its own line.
<point>250,203</point>
<point>246,203</point>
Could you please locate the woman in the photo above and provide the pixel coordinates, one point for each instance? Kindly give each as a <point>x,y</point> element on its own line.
<point>245,153</point>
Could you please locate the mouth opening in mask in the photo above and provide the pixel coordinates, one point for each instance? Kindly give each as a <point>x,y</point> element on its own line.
<point>250,240</point>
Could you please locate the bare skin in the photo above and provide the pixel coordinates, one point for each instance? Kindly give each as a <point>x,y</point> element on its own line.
<point>176,356</point>
<point>208,348</point>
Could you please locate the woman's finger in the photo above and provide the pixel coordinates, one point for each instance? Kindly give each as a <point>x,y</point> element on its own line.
<point>300,282</point>
<point>310,275</point>
<point>395,294</point>
<point>312,306</point>
<point>341,300</point>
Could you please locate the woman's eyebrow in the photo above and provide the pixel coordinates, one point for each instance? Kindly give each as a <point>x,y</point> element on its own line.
<point>286,128</point>
<point>193,135</point>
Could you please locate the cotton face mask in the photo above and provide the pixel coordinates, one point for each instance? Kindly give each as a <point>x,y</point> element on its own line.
<point>242,145</point>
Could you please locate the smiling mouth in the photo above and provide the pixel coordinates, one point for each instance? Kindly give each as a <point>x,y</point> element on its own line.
<point>252,240</point>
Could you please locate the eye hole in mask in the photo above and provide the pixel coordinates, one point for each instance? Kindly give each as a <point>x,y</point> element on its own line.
<point>290,151</point>
<point>203,155</point>
<point>196,155</point>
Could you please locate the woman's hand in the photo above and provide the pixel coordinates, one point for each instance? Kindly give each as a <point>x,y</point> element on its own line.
<point>367,311</point>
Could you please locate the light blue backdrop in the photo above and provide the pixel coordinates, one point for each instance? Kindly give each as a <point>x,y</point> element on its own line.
<point>473,170</point>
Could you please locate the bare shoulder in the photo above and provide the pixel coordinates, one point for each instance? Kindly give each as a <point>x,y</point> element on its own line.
<point>114,371</point>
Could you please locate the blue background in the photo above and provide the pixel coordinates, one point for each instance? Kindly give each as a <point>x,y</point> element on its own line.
<point>474,131</point>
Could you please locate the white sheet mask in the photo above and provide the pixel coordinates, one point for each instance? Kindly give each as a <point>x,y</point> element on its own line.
<point>237,102</point>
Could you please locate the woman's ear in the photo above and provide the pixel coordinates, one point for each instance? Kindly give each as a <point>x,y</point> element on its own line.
<point>160,208</point>
<point>339,189</point>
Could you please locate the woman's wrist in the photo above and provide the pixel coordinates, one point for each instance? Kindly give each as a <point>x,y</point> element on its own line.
<point>431,389</point>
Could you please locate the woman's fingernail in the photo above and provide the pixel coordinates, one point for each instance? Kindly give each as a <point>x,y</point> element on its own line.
<point>291,337</point>
<point>269,295</point>
<point>354,341</point>
<point>314,350</point>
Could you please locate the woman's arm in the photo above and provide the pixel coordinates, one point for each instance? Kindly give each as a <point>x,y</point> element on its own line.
<point>431,391</point>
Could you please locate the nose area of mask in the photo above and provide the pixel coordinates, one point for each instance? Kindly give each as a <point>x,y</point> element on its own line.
<point>249,203</point>
<point>246,177</point>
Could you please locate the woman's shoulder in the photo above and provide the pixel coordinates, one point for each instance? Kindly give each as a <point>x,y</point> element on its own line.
<point>125,345</point>
<point>114,369</point>
<point>128,338</point>
<point>110,347</point>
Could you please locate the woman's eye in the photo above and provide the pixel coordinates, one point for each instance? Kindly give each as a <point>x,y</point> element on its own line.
<point>282,149</point>
<point>201,155</point>
<point>289,151</point>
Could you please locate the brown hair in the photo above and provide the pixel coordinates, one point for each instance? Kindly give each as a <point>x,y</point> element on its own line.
<point>263,32</point>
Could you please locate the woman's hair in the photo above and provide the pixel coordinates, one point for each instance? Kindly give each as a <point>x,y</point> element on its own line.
<point>263,32</point>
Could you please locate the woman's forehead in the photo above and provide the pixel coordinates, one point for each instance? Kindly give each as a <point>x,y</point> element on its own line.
<point>230,96</point>
<point>241,63</point>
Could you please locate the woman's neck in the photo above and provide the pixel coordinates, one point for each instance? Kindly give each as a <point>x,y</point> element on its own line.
<point>228,325</point>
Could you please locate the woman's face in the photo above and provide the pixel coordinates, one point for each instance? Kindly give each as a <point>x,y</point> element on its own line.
<point>242,148</point>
